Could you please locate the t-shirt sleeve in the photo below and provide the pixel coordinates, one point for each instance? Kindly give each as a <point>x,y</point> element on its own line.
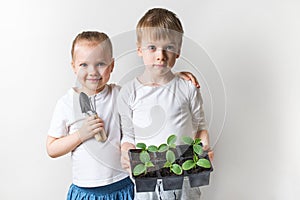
<point>197,111</point>
<point>58,127</point>
<point>125,112</point>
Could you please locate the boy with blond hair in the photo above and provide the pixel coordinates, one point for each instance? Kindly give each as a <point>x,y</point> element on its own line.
<point>157,103</point>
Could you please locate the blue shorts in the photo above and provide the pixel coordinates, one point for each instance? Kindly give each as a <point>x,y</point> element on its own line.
<point>121,190</point>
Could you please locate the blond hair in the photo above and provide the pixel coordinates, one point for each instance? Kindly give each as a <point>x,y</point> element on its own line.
<point>93,37</point>
<point>159,23</point>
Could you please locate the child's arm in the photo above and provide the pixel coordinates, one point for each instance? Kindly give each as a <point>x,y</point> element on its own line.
<point>57,147</point>
<point>127,128</point>
<point>189,77</point>
<point>198,118</point>
<point>60,146</point>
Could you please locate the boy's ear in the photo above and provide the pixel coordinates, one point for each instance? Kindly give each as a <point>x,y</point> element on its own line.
<point>112,65</point>
<point>73,66</point>
<point>178,54</point>
<point>139,49</point>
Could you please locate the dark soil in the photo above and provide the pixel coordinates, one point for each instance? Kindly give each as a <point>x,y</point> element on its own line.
<point>185,151</point>
<point>160,156</point>
<point>149,174</point>
<point>166,172</point>
<point>198,170</point>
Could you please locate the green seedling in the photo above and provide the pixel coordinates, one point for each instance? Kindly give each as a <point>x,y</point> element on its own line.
<point>145,157</point>
<point>170,144</point>
<point>142,167</point>
<point>170,157</point>
<point>202,162</point>
<point>197,151</point>
<point>143,146</point>
<point>197,148</point>
<point>161,148</point>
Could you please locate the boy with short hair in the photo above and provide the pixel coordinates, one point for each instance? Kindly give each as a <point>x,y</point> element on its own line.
<point>157,103</point>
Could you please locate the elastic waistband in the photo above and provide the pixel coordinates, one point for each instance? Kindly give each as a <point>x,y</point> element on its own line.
<point>117,186</point>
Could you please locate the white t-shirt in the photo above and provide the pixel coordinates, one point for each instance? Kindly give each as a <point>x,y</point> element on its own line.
<point>150,114</point>
<point>94,163</point>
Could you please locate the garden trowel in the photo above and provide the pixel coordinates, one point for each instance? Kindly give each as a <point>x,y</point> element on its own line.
<point>85,105</point>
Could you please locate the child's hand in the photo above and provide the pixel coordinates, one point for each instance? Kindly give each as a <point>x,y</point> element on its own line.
<point>91,126</point>
<point>125,157</point>
<point>210,152</point>
<point>189,77</point>
<point>211,155</point>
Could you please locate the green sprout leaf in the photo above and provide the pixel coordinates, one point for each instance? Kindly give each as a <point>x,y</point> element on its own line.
<point>203,163</point>
<point>149,164</point>
<point>139,169</point>
<point>172,146</point>
<point>170,156</point>
<point>189,164</point>
<point>195,158</point>
<point>141,146</point>
<point>163,147</point>
<point>171,140</point>
<point>197,149</point>
<point>176,169</point>
<point>167,164</point>
<point>152,148</point>
<point>144,157</point>
<point>197,141</point>
<point>187,140</point>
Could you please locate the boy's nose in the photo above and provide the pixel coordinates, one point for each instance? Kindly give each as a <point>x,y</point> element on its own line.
<point>160,54</point>
<point>93,70</point>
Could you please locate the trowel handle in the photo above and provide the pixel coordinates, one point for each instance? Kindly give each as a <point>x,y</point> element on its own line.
<point>101,136</point>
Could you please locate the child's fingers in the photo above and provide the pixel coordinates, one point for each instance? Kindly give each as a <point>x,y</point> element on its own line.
<point>91,118</point>
<point>97,122</point>
<point>195,82</point>
<point>124,155</point>
<point>125,162</point>
<point>94,118</point>
<point>125,159</point>
<point>126,167</point>
<point>211,155</point>
<point>97,130</point>
<point>99,119</point>
<point>189,77</point>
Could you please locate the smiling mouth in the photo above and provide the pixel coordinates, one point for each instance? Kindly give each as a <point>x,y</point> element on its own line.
<point>94,80</point>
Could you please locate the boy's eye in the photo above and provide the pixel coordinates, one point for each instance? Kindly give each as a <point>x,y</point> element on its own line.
<point>101,64</point>
<point>170,48</point>
<point>83,65</point>
<point>151,48</point>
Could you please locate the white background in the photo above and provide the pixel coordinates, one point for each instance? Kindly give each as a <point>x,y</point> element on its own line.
<point>255,45</point>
